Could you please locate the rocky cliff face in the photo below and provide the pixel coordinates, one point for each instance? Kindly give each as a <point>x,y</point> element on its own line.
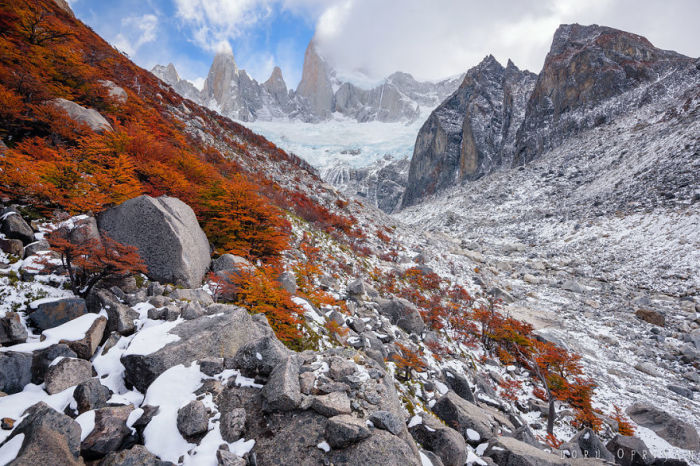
<point>472,132</point>
<point>504,117</point>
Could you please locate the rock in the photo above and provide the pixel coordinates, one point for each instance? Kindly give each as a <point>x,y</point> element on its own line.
<point>259,357</point>
<point>356,288</point>
<point>380,448</point>
<point>138,455</point>
<point>80,114</point>
<point>13,247</point>
<point>109,433</point>
<point>590,445</point>
<point>651,316</point>
<point>167,235</point>
<point>196,295</point>
<point>42,359</point>
<point>340,368</point>
<point>499,293</point>
<point>192,311</point>
<point>232,424</point>
<point>211,366</point>
<point>573,286</point>
<point>49,438</point>
<point>464,416</point>
<point>90,395</point>
<point>282,391</point>
<point>218,336</point>
<point>226,458</point>
<point>344,430</point>
<point>13,226</point>
<point>402,313</point>
<point>648,368</point>
<point>629,451</point>
<point>230,263</point>
<point>114,91</point>
<point>530,279</point>
<point>192,419</point>
<point>459,384</point>
<point>387,421</point>
<point>86,346</point>
<point>442,440</point>
<point>682,391</point>
<point>120,317</point>
<point>288,281</point>
<point>36,247</point>
<point>66,373</point>
<point>507,451</point>
<point>332,404</point>
<point>15,371</point>
<point>676,432</point>
<point>12,331</point>
<point>52,313</point>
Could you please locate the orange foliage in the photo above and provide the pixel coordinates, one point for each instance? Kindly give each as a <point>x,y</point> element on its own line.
<point>624,426</point>
<point>407,361</point>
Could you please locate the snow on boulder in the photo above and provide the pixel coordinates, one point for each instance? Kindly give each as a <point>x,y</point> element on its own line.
<point>168,237</point>
<point>52,312</point>
<point>88,116</point>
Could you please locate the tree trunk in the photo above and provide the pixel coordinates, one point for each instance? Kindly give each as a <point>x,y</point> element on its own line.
<point>550,417</point>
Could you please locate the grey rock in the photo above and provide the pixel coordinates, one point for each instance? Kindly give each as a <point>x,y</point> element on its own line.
<point>138,455</point>
<point>192,419</point>
<point>356,288</point>
<point>197,295</point>
<point>218,336</point>
<point>36,247</point>
<point>211,366</point>
<point>12,331</point>
<point>682,391</point>
<point>15,371</point>
<point>442,440</point>
<point>463,416</point>
<point>56,312</point>
<point>344,430</point>
<point>155,289</point>
<point>590,445</point>
<point>80,114</point>
<point>651,316</point>
<point>508,451</point>
<point>229,262</point>
<point>387,421</point>
<point>259,357</point>
<point>167,235</point>
<point>109,433</point>
<point>13,247</point>
<point>85,347</point>
<point>288,281</point>
<point>42,359</point>
<point>90,395</point>
<point>629,451</point>
<point>331,404</point>
<point>402,313</point>
<point>49,438</point>
<point>232,424</point>
<point>282,391</point>
<point>191,311</point>
<point>114,91</point>
<point>459,384</point>
<point>648,368</point>
<point>14,227</point>
<point>380,448</point>
<point>66,373</point>
<point>573,286</point>
<point>678,433</point>
<point>226,458</point>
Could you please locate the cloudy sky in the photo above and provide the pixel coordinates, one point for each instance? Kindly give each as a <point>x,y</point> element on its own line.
<point>431,39</point>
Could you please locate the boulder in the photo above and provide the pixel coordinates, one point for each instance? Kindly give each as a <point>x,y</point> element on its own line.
<point>682,391</point>
<point>380,448</point>
<point>629,451</point>
<point>90,395</point>
<point>232,424</point>
<point>12,331</point>
<point>168,237</point>
<point>282,391</point>
<point>12,246</point>
<point>590,446</point>
<point>331,404</point>
<point>138,455</point>
<point>356,288</point>
<point>507,451</point>
<point>36,247</point>
<point>211,366</point>
<point>86,346</point>
<point>197,295</point>
<point>258,357</point>
<point>442,440</point>
<point>402,313</point>
<point>230,263</point>
<point>288,282</point>
<point>15,371</point>
<point>208,336</point>
<point>109,433</point>
<point>120,317</point>
<point>42,359</point>
<point>13,226</point>
<point>49,438</point>
<point>651,316</point>
<point>344,430</point>
<point>676,432</point>
<point>54,312</point>
<point>387,421</point>
<point>226,458</point>
<point>468,419</point>
<point>80,114</point>
<point>192,419</point>
<point>573,286</point>
<point>114,91</point>
<point>66,373</point>
<point>459,384</point>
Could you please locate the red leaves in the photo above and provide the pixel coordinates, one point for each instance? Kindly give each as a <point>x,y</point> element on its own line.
<point>624,426</point>
<point>407,361</point>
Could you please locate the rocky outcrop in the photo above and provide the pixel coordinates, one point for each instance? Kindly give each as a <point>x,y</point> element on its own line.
<point>315,89</point>
<point>677,432</point>
<point>472,132</point>
<point>88,116</point>
<point>167,235</point>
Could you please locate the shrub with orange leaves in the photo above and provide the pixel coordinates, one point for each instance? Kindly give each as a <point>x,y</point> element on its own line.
<point>510,388</point>
<point>407,361</point>
<point>624,426</point>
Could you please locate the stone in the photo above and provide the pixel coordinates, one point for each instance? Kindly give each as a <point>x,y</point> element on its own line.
<point>197,295</point>
<point>192,419</point>
<point>109,433</point>
<point>282,391</point>
<point>138,455</point>
<point>13,226</point>
<point>331,404</point>
<point>442,440</point>
<point>629,451</point>
<point>15,371</point>
<point>507,451</point>
<point>36,247</point>
<point>676,432</point>
<point>85,347</point>
<point>167,235</point>
<point>90,395</point>
<point>211,366</point>
<point>464,416</point>
<point>42,359</point>
<point>590,445</point>
<point>259,357</point>
<point>573,286</point>
<point>356,288</point>
<point>12,331</point>
<point>459,384</point>
<point>648,368</point>
<point>226,458</point>
<point>192,310</point>
<point>13,247</point>
<point>120,317</point>
<point>651,316</point>
<point>340,368</point>
<point>114,91</point>
<point>344,430</point>
<point>230,263</point>
<point>208,336</point>
<point>80,114</point>
<point>380,448</point>
<point>387,421</point>
<point>288,281</point>
<point>54,312</point>
<point>7,423</point>
<point>232,424</point>
<point>66,373</point>
<point>402,313</point>
<point>682,391</point>
<point>499,293</point>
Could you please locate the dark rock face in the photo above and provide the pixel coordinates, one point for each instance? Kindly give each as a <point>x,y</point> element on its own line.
<point>192,419</point>
<point>444,441</point>
<point>402,313</point>
<point>15,371</point>
<point>11,330</point>
<point>66,373</point>
<point>90,395</point>
<point>629,451</point>
<point>137,455</point>
<point>14,227</point>
<point>585,67</point>
<point>43,358</point>
<point>472,132</point>
<point>109,433</point>
<point>590,446</point>
<point>56,312</point>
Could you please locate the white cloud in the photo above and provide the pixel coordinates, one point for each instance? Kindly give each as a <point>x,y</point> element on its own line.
<point>135,32</point>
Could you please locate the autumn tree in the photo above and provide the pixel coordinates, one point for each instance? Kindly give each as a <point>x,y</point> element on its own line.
<point>407,361</point>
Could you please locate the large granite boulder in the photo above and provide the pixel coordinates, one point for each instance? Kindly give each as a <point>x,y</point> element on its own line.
<point>473,422</point>
<point>442,440</point>
<point>15,371</point>
<point>13,226</point>
<point>51,313</point>
<point>80,114</point>
<point>675,431</point>
<point>168,237</point>
<point>402,313</point>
